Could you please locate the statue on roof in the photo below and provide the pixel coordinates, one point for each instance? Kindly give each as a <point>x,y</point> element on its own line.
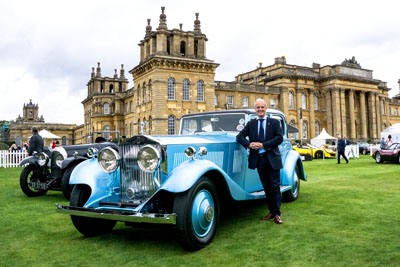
<point>351,63</point>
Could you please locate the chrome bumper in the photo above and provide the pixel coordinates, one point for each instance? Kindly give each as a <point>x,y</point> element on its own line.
<point>158,218</point>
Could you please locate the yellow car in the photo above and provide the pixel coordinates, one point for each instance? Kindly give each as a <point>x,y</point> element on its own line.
<point>316,152</point>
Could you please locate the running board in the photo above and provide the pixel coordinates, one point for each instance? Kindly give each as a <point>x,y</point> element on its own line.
<point>262,193</point>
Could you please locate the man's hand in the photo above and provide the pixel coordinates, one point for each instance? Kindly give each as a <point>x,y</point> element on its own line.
<point>256,145</point>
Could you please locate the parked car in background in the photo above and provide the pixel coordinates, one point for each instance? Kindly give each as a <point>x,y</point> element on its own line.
<point>363,148</point>
<point>391,153</point>
<point>314,151</point>
<point>51,169</point>
<point>181,180</point>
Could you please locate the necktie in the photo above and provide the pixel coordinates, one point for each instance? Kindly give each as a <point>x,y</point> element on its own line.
<point>261,133</point>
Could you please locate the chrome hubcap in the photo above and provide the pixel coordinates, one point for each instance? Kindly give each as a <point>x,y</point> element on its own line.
<point>209,213</point>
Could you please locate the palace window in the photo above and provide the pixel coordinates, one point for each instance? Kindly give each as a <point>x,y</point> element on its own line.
<point>138,126</point>
<point>383,108</point>
<point>396,112</point>
<point>272,103</point>
<point>106,108</point>
<point>150,90</point>
<point>144,126</point>
<point>316,128</point>
<point>229,100</point>
<point>245,101</point>
<point>131,130</point>
<point>64,141</point>
<point>305,127</point>
<point>131,106</point>
<point>106,129</point>
<point>216,100</point>
<point>291,100</point>
<point>315,101</point>
<point>303,101</point>
<point>200,91</point>
<point>171,89</point>
<point>144,93</point>
<point>171,125</point>
<point>138,95</point>
<point>111,88</point>
<point>151,125</point>
<point>183,48</point>
<point>185,90</point>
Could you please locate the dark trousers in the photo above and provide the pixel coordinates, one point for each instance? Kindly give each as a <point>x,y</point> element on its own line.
<point>270,180</point>
<point>341,153</point>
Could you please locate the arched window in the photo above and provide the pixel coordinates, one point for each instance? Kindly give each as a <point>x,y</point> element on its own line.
<point>183,48</point>
<point>150,90</point>
<point>144,126</point>
<point>144,93</point>
<point>303,101</point>
<point>200,91</point>
<point>185,90</point>
<point>291,100</point>
<point>171,125</point>
<point>150,125</point>
<point>64,141</point>
<point>168,47</point>
<point>315,101</point>
<point>196,48</point>
<point>18,141</point>
<point>305,128</point>
<point>171,89</point>
<point>138,95</point>
<point>316,128</point>
<point>111,88</point>
<point>102,87</point>
<point>106,108</point>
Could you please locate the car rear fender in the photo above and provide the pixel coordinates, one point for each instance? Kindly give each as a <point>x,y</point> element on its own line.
<point>292,159</point>
<point>183,177</point>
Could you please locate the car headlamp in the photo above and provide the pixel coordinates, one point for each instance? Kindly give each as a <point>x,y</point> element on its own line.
<point>92,152</point>
<point>59,159</point>
<point>190,152</point>
<point>108,159</point>
<point>148,158</point>
<point>42,159</point>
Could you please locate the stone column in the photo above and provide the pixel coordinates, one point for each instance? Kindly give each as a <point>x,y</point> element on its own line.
<point>372,114</point>
<point>343,112</point>
<point>336,112</point>
<point>298,106</point>
<point>312,115</point>
<point>351,112</point>
<point>387,112</point>
<point>284,101</point>
<point>363,116</point>
<point>328,111</point>
<point>378,115</point>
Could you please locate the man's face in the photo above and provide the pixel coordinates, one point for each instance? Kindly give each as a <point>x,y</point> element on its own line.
<point>260,109</point>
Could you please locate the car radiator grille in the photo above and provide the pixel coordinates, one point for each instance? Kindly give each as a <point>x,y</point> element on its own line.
<point>136,185</point>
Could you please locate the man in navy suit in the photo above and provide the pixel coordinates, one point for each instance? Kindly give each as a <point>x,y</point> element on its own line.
<point>265,134</point>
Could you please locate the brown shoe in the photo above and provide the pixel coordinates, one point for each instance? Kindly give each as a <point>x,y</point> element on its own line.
<point>267,217</point>
<point>278,219</point>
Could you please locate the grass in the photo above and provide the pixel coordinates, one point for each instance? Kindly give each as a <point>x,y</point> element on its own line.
<point>346,215</point>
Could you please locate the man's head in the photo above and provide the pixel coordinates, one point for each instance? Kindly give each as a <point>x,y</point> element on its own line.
<point>260,107</point>
<point>339,137</point>
<point>34,129</point>
<point>383,138</point>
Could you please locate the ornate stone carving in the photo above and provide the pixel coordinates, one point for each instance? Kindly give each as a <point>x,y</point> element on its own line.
<point>351,63</point>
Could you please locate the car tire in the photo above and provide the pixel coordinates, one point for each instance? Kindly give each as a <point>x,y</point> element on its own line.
<point>88,226</point>
<point>293,193</point>
<point>29,174</point>
<point>319,155</point>
<point>378,158</point>
<point>65,186</point>
<point>197,211</point>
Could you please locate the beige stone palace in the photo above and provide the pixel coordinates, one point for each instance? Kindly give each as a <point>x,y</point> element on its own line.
<point>174,77</point>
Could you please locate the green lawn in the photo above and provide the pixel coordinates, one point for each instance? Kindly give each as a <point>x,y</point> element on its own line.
<point>346,215</point>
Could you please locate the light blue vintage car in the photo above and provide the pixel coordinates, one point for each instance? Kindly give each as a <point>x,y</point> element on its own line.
<point>180,180</point>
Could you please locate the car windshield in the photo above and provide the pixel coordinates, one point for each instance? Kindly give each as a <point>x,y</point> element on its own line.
<point>392,147</point>
<point>219,122</point>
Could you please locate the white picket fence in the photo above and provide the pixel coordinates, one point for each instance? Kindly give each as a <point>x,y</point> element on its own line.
<point>11,159</point>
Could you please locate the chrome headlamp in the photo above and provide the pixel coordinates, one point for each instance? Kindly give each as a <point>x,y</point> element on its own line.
<point>42,159</point>
<point>59,159</point>
<point>148,158</point>
<point>92,152</point>
<point>190,152</point>
<point>61,154</point>
<point>108,159</point>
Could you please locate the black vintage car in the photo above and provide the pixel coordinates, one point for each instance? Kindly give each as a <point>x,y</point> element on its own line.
<point>50,170</point>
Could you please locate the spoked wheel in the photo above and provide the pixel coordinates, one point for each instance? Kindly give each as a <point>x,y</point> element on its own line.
<point>197,214</point>
<point>318,155</point>
<point>88,226</point>
<point>378,158</point>
<point>28,178</point>
<point>293,193</point>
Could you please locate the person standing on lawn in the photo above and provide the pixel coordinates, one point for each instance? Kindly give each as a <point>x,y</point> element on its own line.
<point>382,144</point>
<point>35,142</point>
<point>265,134</point>
<point>341,147</point>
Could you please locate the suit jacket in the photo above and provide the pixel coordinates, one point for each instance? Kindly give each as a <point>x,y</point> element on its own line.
<point>341,145</point>
<point>273,138</point>
<point>35,144</point>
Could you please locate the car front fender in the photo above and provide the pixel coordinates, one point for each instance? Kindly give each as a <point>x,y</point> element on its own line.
<point>28,160</point>
<point>188,173</point>
<point>292,159</point>
<point>89,172</point>
<point>67,162</point>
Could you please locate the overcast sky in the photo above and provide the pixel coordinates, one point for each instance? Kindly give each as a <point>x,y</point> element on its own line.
<point>47,48</point>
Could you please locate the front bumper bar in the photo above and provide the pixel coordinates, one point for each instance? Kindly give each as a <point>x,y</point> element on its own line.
<point>158,218</point>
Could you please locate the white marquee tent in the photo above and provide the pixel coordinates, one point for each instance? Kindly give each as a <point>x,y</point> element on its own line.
<point>394,131</point>
<point>322,138</point>
<point>47,135</point>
